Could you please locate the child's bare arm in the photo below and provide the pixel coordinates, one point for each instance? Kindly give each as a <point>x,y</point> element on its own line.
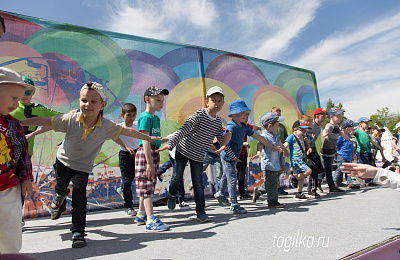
<point>346,137</point>
<point>284,150</point>
<point>150,171</point>
<point>138,135</point>
<point>265,142</point>
<point>258,154</point>
<point>225,141</point>
<point>376,144</point>
<point>395,145</point>
<point>36,121</point>
<point>39,131</point>
<point>324,133</point>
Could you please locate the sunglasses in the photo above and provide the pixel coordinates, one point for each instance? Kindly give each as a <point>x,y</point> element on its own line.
<point>28,92</point>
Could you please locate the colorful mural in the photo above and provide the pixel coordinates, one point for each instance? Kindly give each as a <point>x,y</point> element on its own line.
<point>60,58</point>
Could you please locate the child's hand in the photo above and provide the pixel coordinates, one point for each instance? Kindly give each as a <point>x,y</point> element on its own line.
<point>237,160</point>
<point>286,153</point>
<point>353,141</point>
<point>246,144</point>
<point>257,156</point>
<point>220,150</point>
<point>28,136</point>
<point>309,151</point>
<point>130,150</point>
<point>165,147</point>
<point>276,149</point>
<point>27,189</point>
<point>151,172</point>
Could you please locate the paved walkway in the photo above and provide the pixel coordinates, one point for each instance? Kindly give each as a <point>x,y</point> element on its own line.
<point>327,228</point>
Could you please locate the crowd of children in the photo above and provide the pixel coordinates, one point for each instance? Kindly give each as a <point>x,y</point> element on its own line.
<point>200,141</point>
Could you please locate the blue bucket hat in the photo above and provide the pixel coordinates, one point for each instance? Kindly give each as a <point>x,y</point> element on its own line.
<point>237,107</point>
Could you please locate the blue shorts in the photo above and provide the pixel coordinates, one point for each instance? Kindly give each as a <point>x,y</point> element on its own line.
<point>299,165</point>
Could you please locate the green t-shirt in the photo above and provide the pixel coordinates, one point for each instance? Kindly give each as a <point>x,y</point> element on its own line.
<point>151,124</point>
<point>24,111</point>
<point>363,142</point>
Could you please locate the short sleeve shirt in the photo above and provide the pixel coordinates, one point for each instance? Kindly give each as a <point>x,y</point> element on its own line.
<point>345,148</point>
<point>270,160</point>
<point>131,142</point>
<point>8,178</point>
<point>329,143</point>
<point>238,134</point>
<point>363,141</point>
<point>82,144</point>
<point>151,124</point>
<point>294,149</point>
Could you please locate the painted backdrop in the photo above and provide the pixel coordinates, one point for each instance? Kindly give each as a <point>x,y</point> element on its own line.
<point>60,58</point>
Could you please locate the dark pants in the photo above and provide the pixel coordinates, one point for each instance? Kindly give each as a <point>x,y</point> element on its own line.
<point>313,180</point>
<point>79,179</point>
<point>163,168</point>
<point>366,158</point>
<point>328,163</point>
<point>241,172</point>
<point>196,170</point>
<point>127,166</point>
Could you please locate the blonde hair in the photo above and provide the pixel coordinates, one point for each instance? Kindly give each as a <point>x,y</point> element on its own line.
<point>274,109</point>
<point>306,118</point>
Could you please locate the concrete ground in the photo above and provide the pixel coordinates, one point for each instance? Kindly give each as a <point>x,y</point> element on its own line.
<point>327,228</point>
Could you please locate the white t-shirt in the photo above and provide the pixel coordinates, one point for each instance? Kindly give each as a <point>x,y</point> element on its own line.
<point>133,143</point>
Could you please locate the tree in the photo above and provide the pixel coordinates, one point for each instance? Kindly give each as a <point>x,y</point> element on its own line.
<point>385,118</point>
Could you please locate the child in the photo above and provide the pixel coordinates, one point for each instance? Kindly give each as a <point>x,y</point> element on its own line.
<point>85,132</point>
<point>364,141</point>
<point>15,167</point>
<point>396,144</point>
<point>310,144</point>
<point>28,109</point>
<point>297,150</point>
<point>192,141</point>
<point>330,136</point>
<point>214,159</point>
<point>270,160</point>
<point>236,130</point>
<point>148,159</point>
<point>319,118</point>
<point>376,136</point>
<point>127,157</point>
<point>345,154</point>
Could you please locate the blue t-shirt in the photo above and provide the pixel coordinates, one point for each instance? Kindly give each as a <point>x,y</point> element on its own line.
<point>236,142</point>
<point>270,160</point>
<point>294,148</point>
<point>345,148</point>
<point>151,124</point>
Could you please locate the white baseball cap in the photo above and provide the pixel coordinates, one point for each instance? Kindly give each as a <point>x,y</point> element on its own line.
<point>214,90</point>
<point>97,87</point>
<point>12,77</point>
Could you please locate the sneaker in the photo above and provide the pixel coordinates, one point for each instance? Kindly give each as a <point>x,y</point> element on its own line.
<point>56,214</point>
<point>183,205</point>
<point>340,184</point>
<point>130,212</point>
<point>313,195</point>
<point>78,240</point>
<point>156,225</point>
<point>361,181</point>
<point>256,195</point>
<point>282,191</point>
<point>202,217</point>
<point>59,199</point>
<point>236,209</point>
<point>300,196</point>
<point>160,177</point>
<point>319,187</point>
<point>221,198</point>
<point>293,181</point>
<point>275,205</point>
<point>353,186</point>
<point>336,190</point>
<point>171,202</point>
<point>140,220</point>
<point>190,187</point>
<point>119,190</point>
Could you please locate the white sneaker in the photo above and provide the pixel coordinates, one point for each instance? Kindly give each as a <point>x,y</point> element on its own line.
<point>119,190</point>
<point>183,205</point>
<point>131,212</point>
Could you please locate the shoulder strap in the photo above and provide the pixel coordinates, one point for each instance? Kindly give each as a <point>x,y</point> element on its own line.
<point>301,147</point>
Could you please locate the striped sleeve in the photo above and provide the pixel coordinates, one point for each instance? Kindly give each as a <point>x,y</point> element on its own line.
<point>190,123</point>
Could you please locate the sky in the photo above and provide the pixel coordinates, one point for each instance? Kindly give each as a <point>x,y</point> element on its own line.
<point>353,46</point>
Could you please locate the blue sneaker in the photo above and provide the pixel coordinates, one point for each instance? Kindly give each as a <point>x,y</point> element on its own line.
<point>282,191</point>
<point>171,202</point>
<point>119,190</point>
<point>221,199</point>
<point>156,225</point>
<point>236,209</point>
<point>202,217</point>
<point>140,220</point>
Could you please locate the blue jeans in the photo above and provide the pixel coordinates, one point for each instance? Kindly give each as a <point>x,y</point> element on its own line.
<point>218,171</point>
<point>229,178</point>
<point>366,158</point>
<point>127,166</point>
<point>79,179</point>
<point>196,170</point>
<point>328,162</point>
<point>338,177</point>
<point>163,168</point>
